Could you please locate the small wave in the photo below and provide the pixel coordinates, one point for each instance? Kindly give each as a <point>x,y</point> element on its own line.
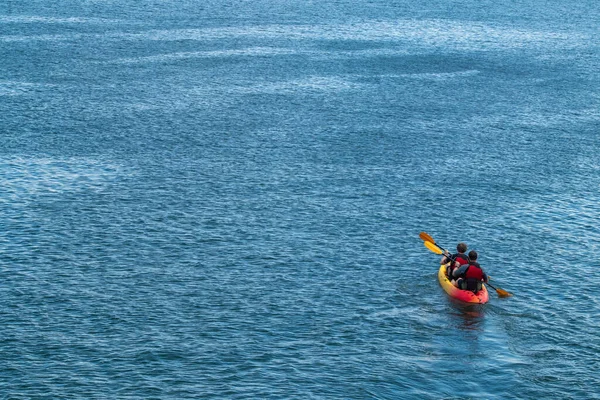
<point>34,19</point>
<point>246,52</point>
<point>535,118</point>
<point>31,176</point>
<point>432,32</point>
<point>15,88</point>
<point>310,84</point>
<point>438,76</point>
<point>39,38</point>
<point>261,52</point>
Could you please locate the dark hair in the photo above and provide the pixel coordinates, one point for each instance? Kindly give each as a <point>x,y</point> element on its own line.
<point>472,255</point>
<point>461,247</point>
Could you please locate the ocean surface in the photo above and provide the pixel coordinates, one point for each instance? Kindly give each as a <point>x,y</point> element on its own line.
<point>222,199</point>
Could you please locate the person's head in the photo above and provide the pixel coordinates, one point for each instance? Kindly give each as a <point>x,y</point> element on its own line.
<point>461,247</point>
<point>472,255</point>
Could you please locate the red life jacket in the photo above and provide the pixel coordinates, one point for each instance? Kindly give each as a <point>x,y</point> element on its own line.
<point>461,258</point>
<point>474,271</point>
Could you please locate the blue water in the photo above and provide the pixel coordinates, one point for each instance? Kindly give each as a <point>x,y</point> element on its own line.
<point>222,199</point>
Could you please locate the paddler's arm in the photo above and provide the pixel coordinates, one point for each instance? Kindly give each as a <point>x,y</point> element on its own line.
<point>459,271</point>
<point>446,258</point>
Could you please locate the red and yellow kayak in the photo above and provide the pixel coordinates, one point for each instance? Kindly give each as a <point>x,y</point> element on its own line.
<point>480,297</point>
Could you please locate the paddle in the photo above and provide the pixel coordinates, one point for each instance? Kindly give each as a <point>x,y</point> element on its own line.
<point>434,247</point>
<point>426,237</point>
<point>501,292</point>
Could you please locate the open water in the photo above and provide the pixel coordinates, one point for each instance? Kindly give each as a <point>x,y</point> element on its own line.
<point>222,199</point>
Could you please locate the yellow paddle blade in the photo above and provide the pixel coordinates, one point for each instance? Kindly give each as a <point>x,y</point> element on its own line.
<point>503,293</point>
<point>426,237</point>
<point>432,247</point>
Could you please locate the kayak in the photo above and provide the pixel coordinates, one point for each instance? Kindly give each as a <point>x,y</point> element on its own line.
<point>480,297</point>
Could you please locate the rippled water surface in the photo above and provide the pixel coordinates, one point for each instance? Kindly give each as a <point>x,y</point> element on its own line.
<point>222,199</point>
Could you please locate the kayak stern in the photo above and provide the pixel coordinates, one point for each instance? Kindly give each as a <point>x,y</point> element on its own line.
<point>467,296</point>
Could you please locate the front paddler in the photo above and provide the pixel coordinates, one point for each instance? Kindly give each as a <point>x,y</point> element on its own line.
<point>456,260</point>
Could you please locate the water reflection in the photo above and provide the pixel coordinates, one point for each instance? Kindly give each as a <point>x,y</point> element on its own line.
<point>468,317</point>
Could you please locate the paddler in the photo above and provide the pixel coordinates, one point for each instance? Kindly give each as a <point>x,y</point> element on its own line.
<point>470,276</point>
<point>455,260</point>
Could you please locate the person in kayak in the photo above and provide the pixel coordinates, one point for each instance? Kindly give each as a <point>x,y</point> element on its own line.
<point>470,276</point>
<point>455,260</point>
